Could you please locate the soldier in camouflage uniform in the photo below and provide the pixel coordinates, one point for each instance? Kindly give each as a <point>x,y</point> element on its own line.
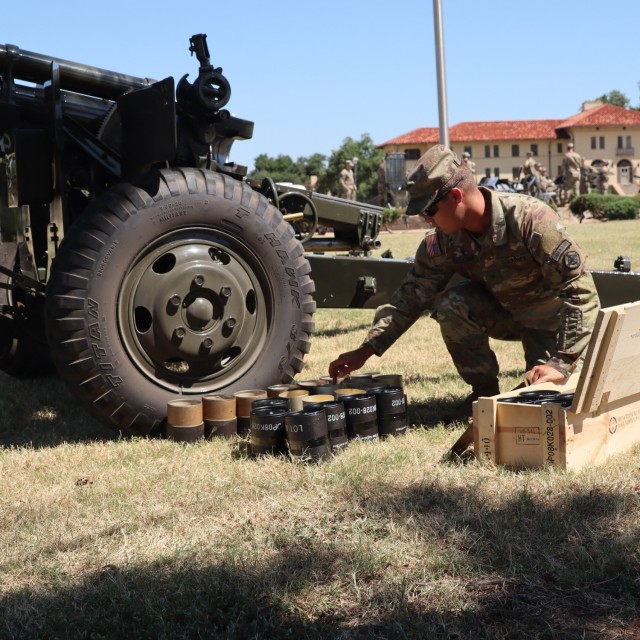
<point>571,170</point>
<point>348,189</point>
<point>524,279</point>
<point>528,177</point>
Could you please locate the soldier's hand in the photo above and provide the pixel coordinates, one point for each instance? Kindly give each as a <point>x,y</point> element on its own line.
<point>350,361</point>
<point>544,373</point>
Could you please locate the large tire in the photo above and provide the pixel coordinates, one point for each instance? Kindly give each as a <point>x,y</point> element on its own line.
<point>182,282</point>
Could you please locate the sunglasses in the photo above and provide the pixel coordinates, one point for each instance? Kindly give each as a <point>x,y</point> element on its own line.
<point>432,209</point>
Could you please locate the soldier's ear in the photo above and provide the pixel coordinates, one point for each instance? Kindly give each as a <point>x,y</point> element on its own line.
<point>457,194</point>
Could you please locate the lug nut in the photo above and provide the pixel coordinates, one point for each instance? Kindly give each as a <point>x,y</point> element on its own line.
<point>225,292</point>
<point>207,343</point>
<point>179,332</point>
<point>198,280</point>
<point>174,301</point>
<point>230,323</point>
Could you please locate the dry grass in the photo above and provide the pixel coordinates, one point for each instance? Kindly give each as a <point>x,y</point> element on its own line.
<point>102,537</point>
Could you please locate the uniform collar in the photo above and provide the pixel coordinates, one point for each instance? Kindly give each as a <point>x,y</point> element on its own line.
<point>497,229</point>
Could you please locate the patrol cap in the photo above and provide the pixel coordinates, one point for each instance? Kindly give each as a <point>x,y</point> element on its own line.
<point>432,172</point>
<point>570,145</point>
<point>466,154</point>
<point>348,162</point>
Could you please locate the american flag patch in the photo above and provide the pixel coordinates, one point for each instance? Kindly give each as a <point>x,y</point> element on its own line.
<point>433,246</point>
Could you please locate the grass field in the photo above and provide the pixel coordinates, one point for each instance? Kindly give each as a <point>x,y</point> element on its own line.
<point>104,537</point>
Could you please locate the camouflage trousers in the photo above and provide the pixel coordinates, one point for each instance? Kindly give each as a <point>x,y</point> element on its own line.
<point>468,316</point>
<point>571,186</point>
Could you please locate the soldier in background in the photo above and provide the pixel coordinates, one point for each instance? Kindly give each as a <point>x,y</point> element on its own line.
<point>348,187</point>
<point>528,177</point>
<point>572,164</point>
<point>466,159</point>
<point>524,279</point>
<point>602,176</point>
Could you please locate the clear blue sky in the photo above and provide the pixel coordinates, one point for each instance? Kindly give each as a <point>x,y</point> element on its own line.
<point>312,74</point>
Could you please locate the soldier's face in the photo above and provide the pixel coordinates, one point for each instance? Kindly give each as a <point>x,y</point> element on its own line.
<point>449,217</point>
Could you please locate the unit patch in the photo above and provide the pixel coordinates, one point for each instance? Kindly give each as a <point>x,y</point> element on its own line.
<point>572,260</point>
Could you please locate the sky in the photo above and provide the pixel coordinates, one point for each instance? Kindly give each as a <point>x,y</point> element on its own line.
<point>312,74</point>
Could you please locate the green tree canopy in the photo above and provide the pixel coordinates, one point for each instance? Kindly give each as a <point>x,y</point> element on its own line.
<point>616,98</point>
<point>366,168</point>
<point>283,169</point>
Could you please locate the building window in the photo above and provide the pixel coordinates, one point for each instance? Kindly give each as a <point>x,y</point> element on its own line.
<point>534,149</point>
<point>411,154</point>
<point>628,142</point>
<point>602,142</point>
<point>593,142</point>
<point>487,151</point>
<point>496,172</point>
<point>515,150</point>
<point>515,173</point>
<point>496,151</point>
<point>559,147</point>
<point>468,150</point>
<point>619,142</point>
<point>487,172</point>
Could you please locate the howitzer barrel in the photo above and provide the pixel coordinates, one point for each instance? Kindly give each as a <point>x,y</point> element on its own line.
<point>82,107</point>
<point>81,78</point>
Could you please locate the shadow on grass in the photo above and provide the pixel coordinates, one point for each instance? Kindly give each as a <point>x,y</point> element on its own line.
<point>42,413</point>
<point>341,330</point>
<point>436,411</point>
<point>527,570</point>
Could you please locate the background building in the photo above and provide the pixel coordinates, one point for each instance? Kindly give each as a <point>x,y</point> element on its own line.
<point>600,132</point>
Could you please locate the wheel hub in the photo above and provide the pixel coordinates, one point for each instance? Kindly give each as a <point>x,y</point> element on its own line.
<point>193,305</point>
<point>199,314</point>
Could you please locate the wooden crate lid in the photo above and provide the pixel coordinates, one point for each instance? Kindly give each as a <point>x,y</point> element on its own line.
<point>611,369</point>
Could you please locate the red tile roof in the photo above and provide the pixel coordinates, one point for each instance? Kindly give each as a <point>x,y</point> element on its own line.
<point>602,116</point>
<point>423,135</point>
<point>504,130</point>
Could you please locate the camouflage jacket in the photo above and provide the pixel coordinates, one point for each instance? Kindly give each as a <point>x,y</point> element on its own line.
<point>526,261</point>
<point>572,163</point>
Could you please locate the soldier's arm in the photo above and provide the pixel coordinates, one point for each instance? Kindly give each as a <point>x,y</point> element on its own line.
<point>563,267</point>
<point>416,294</point>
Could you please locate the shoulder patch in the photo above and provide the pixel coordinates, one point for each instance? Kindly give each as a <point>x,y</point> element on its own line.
<point>433,245</point>
<point>572,260</point>
<point>559,251</point>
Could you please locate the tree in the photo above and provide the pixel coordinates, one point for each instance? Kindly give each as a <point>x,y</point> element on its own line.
<point>368,159</point>
<point>283,169</point>
<point>616,98</point>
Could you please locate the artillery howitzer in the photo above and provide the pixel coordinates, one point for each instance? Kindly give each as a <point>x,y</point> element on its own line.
<point>142,261</point>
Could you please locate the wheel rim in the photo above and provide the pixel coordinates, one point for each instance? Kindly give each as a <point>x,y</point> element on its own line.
<point>195,309</point>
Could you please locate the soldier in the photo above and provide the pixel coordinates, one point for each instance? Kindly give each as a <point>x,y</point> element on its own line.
<point>602,176</point>
<point>524,279</point>
<point>528,176</point>
<point>348,182</point>
<point>466,159</point>
<point>571,170</point>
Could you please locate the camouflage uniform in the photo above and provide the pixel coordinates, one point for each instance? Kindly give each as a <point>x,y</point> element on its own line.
<point>529,175</point>
<point>571,170</point>
<point>466,159</point>
<point>348,188</point>
<point>524,279</point>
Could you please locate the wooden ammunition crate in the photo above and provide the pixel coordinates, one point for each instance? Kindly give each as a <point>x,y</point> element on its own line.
<point>603,420</point>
